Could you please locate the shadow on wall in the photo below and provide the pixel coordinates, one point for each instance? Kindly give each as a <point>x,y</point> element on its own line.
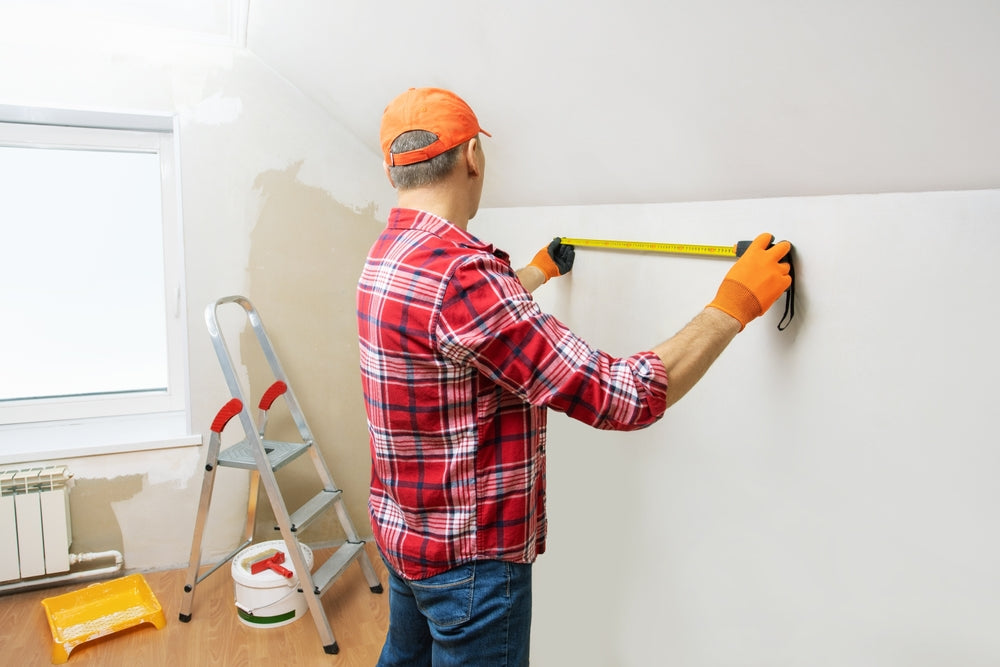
<point>307,252</point>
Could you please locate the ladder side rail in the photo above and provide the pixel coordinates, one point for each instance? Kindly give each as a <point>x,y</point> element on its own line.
<point>352,537</point>
<point>192,579</point>
<point>277,388</point>
<point>294,408</point>
<point>282,387</point>
<point>254,491</point>
<point>194,561</point>
<point>284,521</point>
<point>222,349</point>
<point>228,369</point>
<point>254,433</point>
<point>321,469</point>
<point>256,445</point>
<point>348,525</point>
<point>298,416</point>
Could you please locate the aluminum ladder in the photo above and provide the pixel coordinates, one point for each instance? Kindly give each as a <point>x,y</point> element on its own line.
<point>262,458</point>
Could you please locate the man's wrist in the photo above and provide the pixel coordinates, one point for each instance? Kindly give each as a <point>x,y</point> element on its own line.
<point>542,276</point>
<point>723,319</point>
<point>531,277</point>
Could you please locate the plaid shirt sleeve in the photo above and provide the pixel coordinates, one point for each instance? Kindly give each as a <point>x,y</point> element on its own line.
<point>489,322</point>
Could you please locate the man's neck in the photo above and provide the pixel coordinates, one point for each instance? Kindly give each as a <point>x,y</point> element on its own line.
<point>438,201</point>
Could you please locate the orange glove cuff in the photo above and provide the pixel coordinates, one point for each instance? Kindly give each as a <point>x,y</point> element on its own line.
<point>544,263</point>
<point>736,300</point>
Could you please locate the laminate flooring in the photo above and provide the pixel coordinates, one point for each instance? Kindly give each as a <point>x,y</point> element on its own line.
<point>215,635</point>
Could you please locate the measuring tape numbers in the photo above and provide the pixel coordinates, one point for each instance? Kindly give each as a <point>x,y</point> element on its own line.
<point>650,246</point>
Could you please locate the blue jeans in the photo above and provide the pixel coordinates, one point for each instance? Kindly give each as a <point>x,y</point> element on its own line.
<point>474,614</point>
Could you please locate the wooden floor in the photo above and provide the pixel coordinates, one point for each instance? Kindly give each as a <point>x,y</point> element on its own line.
<point>215,635</point>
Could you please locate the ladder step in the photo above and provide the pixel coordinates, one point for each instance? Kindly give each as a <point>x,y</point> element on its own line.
<point>241,454</point>
<point>328,572</point>
<point>303,516</point>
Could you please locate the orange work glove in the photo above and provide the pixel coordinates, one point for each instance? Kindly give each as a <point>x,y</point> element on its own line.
<point>756,281</point>
<point>556,259</point>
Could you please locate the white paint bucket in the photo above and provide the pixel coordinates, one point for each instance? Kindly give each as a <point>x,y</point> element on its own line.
<point>268,599</point>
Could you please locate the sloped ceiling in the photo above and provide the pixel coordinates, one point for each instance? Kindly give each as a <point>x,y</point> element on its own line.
<point>100,21</point>
<point>636,101</point>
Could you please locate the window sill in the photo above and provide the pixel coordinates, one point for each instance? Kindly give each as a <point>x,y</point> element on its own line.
<point>21,443</point>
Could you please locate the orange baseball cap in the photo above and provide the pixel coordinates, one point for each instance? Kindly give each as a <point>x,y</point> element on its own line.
<point>435,110</point>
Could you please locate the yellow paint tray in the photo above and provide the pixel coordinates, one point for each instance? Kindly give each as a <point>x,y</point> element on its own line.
<point>98,610</point>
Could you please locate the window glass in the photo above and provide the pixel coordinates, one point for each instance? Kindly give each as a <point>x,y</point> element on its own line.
<point>92,328</point>
<point>82,269</point>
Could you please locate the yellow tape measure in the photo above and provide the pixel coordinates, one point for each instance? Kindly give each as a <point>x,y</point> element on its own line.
<point>649,246</point>
<point>736,250</point>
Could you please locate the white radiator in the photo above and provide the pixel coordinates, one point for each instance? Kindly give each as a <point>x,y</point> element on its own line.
<point>34,522</point>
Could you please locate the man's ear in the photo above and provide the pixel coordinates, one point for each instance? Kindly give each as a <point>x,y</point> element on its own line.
<point>388,174</point>
<point>471,160</point>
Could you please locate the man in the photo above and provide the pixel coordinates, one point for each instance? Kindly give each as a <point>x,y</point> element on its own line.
<point>459,367</point>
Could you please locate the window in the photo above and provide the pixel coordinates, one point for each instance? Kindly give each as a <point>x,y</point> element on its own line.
<point>93,333</point>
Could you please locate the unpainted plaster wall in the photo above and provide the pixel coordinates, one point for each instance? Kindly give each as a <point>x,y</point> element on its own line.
<point>307,250</point>
<point>277,202</point>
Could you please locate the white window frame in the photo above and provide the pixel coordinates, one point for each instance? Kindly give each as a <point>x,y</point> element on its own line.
<point>38,429</point>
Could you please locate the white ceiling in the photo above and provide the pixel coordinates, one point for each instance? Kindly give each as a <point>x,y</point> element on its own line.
<point>636,101</point>
<point>639,101</point>
<point>95,21</point>
<point>642,101</point>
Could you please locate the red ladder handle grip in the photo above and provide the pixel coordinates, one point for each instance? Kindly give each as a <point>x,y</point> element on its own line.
<point>273,392</point>
<point>228,411</point>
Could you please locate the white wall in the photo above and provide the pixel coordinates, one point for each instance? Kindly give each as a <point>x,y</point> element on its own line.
<point>239,123</point>
<point>827,494</point>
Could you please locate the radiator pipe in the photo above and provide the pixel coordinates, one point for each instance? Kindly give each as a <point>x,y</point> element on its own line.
<point>83,575</point>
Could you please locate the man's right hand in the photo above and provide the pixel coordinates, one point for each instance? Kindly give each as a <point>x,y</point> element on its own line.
<point>756,281</point>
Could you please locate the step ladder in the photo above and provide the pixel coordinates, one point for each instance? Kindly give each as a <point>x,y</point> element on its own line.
<point>262,457</point>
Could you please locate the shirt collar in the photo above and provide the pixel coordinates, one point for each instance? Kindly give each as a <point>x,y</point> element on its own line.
<point>406,218</point>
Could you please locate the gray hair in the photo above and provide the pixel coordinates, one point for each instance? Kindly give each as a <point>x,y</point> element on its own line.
<point>423,173</point>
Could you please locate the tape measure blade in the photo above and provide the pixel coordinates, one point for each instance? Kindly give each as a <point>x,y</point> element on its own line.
<point>651,246</point>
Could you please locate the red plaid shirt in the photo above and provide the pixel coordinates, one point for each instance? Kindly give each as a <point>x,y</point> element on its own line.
<point>459,366</point>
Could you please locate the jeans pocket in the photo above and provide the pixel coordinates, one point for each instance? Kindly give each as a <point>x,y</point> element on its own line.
<point>446,599</point>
